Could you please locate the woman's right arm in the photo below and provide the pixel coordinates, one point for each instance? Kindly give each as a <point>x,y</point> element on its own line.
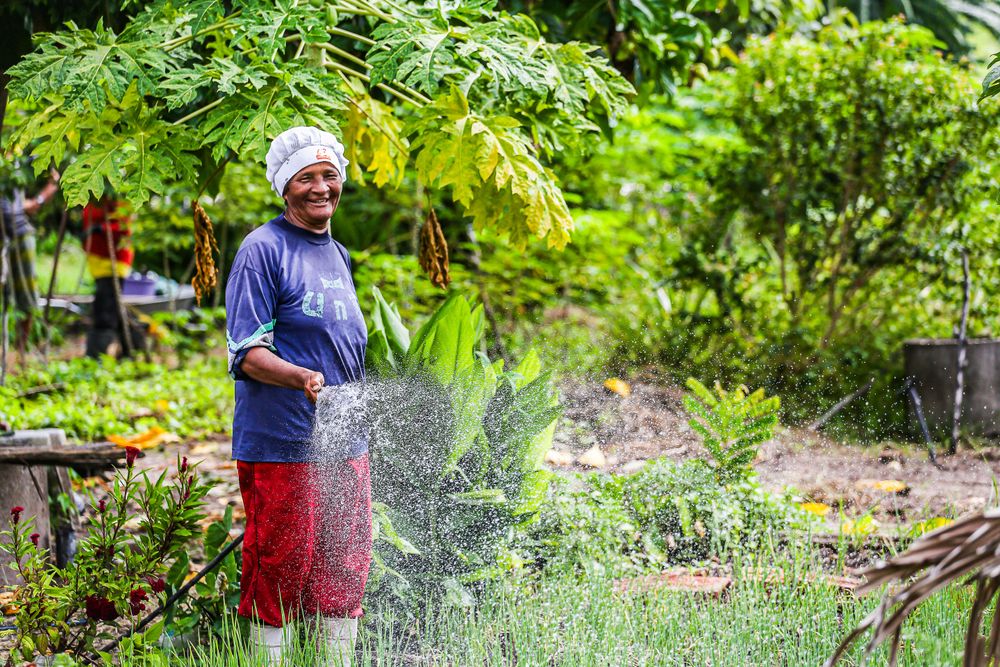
<point>265,366</point>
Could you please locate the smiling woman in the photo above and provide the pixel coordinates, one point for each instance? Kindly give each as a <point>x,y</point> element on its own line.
<point>293,326</point>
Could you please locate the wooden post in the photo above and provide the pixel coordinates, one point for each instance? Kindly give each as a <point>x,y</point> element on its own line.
<point>52,283</point>
<point>122,313</point>
<point>4,299</point>
<point>962,353</point>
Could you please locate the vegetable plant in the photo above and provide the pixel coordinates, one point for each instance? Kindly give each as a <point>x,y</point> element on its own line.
<point>457,449</point>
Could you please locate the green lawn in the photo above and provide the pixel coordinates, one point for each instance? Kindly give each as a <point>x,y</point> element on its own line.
<point>572,623</point>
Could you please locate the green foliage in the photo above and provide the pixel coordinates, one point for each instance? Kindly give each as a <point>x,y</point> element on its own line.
<point>896,152</point>
<point>656,44</point>
<point>731,424</point>
<point>189,332</point>
<point>477,99</point>
<point>457,451</point>
<point>204,609</point>
<point>991,83</point>
<point>690,231</point>
<point>953,23</point>
<point>667,513</point>
<point>134,534</point>
<point>94,399</point>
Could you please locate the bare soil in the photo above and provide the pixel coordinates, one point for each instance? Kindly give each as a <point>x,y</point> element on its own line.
<point>652,422</point>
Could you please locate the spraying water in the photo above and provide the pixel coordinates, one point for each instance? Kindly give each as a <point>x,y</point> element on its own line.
<point>446,472</point>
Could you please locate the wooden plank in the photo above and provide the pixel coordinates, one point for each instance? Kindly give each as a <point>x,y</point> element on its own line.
<point>102,453</point>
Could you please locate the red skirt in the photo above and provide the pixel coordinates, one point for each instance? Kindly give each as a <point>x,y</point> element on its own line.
<point>308,542</point>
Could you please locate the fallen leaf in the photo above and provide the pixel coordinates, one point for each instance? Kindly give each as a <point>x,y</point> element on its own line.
<point>558,458</point>
<point>154,437</point>
<point>593,458</point>
<point>923,527</point>
<point>88,482</point>
<point>204,448</point>
<point>618,386</point>
<point>8,603</point>
<point>161,406</point>
<point>886,485</point>
<point>819,509</point>
<point>863,527</point>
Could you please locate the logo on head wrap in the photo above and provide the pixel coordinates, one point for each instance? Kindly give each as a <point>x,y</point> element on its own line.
<point>323,154</point>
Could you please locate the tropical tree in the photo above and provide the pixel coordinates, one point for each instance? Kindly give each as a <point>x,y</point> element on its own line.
<point>951,21</point>
<point>857,154</point>
<point>475,99</point>
<point>654,43</point>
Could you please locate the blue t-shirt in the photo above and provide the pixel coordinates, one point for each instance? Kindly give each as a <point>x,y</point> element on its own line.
<point>290,290</point>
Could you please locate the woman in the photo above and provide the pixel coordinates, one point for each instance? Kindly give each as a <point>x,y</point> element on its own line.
<point>293,326</point>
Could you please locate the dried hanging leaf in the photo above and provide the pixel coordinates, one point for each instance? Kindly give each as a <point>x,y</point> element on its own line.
<point>964,551</point>
<point>434,252</point>
<point>206,275</point>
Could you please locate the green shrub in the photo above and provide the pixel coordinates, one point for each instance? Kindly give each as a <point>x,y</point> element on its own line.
<point>666,513</point>
<point>731,426</point>
<point>456,453</point>
<point>92,399</point>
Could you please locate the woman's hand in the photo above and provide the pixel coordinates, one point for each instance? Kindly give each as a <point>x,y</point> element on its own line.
<point>265,366</point>
<point>313,384</point>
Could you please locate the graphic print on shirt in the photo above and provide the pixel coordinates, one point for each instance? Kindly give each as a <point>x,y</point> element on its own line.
<point>339,307</point>
<point>310,311</point>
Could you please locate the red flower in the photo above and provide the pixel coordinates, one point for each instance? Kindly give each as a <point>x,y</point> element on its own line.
<point>102,504</point>
<point>15,513</point>
<point>34,538</point>
<point>184,464</point>
<point>135,600</point>
<point>130,454</point>
<point>100,608</point>
<point>158,584</point>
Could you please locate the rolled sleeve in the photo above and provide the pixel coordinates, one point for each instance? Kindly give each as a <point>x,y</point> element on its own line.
<point>250,320</point>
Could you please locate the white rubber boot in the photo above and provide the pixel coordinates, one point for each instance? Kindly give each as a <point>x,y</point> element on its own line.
<point>270,642</point>
<point>336,640</point>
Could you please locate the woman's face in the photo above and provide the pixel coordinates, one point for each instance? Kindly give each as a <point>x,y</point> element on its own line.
<point>312,195</point>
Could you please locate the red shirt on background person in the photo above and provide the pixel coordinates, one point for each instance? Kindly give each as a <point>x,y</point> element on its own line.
<point>106,322</point>
<point>97,217</point>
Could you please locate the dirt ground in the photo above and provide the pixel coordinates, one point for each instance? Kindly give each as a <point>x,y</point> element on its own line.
<point>651,422</point>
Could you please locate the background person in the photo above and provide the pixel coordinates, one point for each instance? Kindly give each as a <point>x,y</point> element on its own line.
<point>19,237</point>
<point>106,321</point>
<point>293,325</point>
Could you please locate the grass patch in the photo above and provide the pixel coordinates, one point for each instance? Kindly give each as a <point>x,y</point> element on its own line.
<point>95,399</point>
<point>559,621</point>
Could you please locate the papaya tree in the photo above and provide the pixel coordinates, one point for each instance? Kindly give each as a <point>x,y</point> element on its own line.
<point>475,99</point>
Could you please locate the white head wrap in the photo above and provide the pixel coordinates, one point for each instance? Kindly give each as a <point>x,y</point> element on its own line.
<point>298,148</point>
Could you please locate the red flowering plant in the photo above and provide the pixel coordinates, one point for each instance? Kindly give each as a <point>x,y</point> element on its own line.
<point>134,535</point>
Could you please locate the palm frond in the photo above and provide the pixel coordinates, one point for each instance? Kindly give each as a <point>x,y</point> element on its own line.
<point>970,548</point>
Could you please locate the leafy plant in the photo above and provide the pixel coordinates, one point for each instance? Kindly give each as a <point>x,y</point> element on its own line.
<point>668,512</point>
<point>457,451</point>
<point>731,425</point>
<point>92,399</point>
<point>117,571</point>
<point>476,99</point>
<point>205,608</point>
